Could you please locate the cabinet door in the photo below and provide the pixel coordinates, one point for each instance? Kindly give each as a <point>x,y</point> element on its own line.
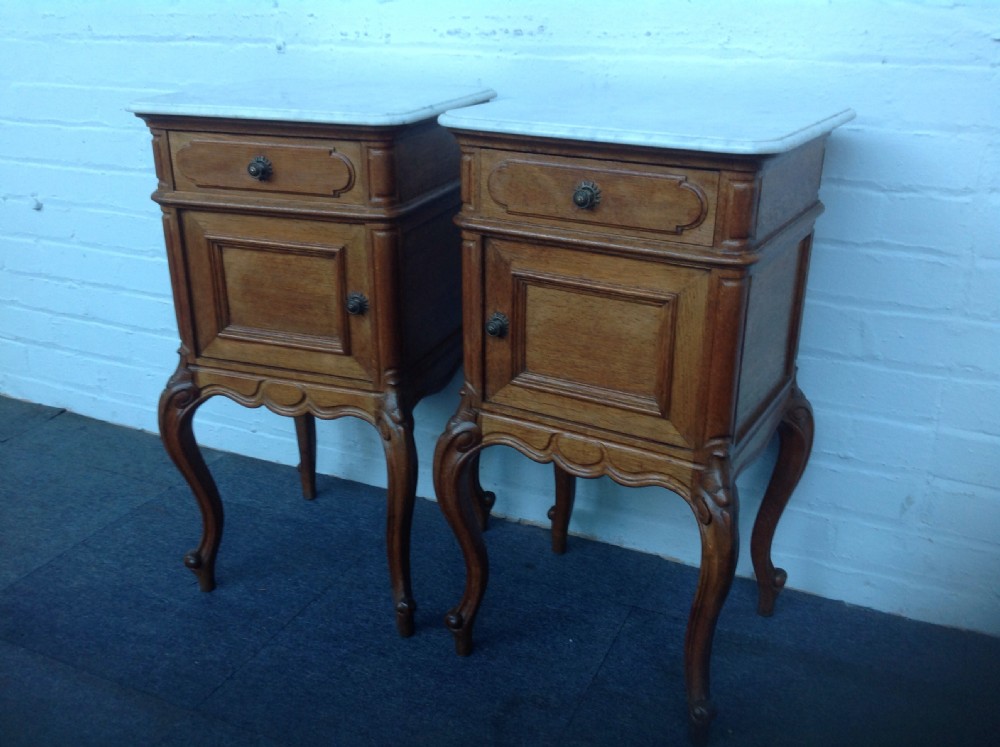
<point>611,342</point>
<point>274,292</point>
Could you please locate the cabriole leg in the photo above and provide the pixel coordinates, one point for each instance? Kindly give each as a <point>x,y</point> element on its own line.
<point>482,500</point>
<point>455,460</point>
<point>718,525</point>
<point>795,434</point>
<point>178,404</point>
<point>305,432</point>
<point>561,512</point>
<point>401,463</point>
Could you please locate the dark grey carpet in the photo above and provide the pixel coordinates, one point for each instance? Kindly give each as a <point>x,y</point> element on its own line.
<point>106,640</point>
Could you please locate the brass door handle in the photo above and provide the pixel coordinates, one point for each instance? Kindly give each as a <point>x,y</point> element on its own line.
<point>357,304</point>
<point>497,325</point>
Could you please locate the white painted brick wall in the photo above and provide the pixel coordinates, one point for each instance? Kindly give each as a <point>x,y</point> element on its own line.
<point>900,507</point>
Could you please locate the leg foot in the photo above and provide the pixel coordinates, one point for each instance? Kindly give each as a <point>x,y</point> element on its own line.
<point>560,513</point>
<point>404,617</point>
<point>462,633</point>
<point>455,458</point>
<point>795,434</point>
<point>178,403</point>
<point>700,716</point>
<point>194,561</point>
<point>305,432</point>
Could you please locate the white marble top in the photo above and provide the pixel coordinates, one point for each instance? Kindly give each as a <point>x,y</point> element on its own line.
<point>735,121</point>
<point>378,103</point>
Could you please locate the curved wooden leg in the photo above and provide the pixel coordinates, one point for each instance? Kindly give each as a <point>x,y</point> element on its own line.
<point>455,459</point>
<point>718,525</point>
<point>178,403</point>
<point>796,436</point>
<point>560,513</point>
<point>482,500</point>
<point>305,432</point>
<point>401,463</point>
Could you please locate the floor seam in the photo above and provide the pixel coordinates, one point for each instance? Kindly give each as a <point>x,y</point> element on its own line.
<point>597,670</point>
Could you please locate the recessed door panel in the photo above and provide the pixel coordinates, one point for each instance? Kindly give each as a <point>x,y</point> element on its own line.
<point>275,292</point>
<point>272,288</point>
<point>603,340</point>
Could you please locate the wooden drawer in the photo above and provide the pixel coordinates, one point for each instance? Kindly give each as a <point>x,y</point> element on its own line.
<point>589,194</point>
<point>275,292</point>
<point>297,167</point>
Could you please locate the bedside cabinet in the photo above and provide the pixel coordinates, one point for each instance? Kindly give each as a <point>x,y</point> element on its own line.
<point>633,280</point>
<point>314,266</point>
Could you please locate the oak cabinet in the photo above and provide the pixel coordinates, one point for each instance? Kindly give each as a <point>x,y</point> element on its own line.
<point>315,272</point>
<point>632,295</point>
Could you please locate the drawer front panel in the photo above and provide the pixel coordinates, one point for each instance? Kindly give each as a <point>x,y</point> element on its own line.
<point>611,342</point>
<point>295,167</point>
<point>676,204</point>
<point>274,292</point>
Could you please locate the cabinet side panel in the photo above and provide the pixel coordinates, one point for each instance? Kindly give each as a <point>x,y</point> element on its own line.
<point>789,187</point>
<point>772,325</point>
<point>427,157</point>
<point>431,286</point>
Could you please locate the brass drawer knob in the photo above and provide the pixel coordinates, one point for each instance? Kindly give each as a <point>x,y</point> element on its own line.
<point>357,304</point>
<point>497,325</point>
<point>587,195</point>
<point>260,169</point>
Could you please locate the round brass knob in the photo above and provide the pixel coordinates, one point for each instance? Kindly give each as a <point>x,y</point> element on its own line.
<point>587,195</point>
<point>260,169</point>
